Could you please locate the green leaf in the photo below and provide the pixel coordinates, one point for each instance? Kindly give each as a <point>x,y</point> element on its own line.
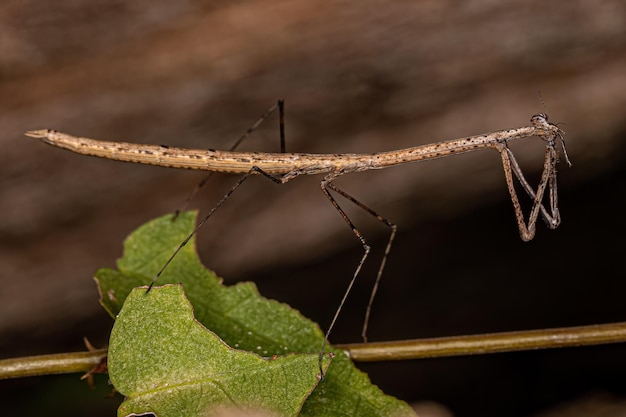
<point>240,316</point>
<point>176,367</point>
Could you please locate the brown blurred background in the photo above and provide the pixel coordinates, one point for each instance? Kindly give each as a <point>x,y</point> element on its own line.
<point>356,77</point>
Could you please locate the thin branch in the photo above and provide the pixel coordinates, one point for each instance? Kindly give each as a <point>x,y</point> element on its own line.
<point>487,343</point>
<point>369,352</point>
<point>61,363</point>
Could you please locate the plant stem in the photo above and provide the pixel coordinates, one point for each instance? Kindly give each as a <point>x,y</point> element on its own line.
<point>63,363</point>
<point>487,343</point>
<point>60,363</point>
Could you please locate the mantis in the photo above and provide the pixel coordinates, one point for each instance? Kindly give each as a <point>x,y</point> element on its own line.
<point>283,167</point>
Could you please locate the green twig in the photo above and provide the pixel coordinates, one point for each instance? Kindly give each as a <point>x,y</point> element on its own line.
<point>369,352</point>
<point>488,343</point>
<point>61,363</point>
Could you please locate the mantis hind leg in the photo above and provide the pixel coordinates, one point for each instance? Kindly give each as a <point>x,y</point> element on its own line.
<point>327,185</point>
